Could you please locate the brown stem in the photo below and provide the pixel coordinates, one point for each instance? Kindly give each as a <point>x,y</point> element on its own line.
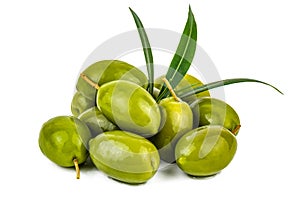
<point>237,128</point>
<point>75,161</point>
<point>171,89</point>
<point>89,81</point>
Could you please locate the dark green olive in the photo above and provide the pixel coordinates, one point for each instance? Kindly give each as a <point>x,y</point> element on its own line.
<point>124,156</point>
<point>105,71</point>
<point>80,104</point>
<point>206,150</point>
<point>96,121</point>
<point>130,107</point>
<point>179,120</point>
<point>214,111</point>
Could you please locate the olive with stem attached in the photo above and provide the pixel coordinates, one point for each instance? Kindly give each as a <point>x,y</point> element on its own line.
<point>178,120</point>
<point>128,105</point>
<point>63,140</point>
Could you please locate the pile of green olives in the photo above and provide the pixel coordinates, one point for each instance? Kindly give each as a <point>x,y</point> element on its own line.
<point>126,132</point>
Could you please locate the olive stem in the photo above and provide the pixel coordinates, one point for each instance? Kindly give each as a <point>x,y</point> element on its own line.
<point>89,81</point>
<point>171,89</point>
<point>75,161</point>
<point>237,128</point>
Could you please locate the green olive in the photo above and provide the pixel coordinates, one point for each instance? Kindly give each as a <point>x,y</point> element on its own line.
<point>63,139</point>
<point>96,121</point>
<point>109,70</point>
<point>206,150</point>
<point>179,120</point>
<point>130,107</point>
<point>80,104</point>
<point>186,83</point>
<point>214,111</point>
<point>124,156</point>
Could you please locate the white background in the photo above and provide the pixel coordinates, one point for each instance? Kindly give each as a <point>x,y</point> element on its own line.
<point>44,43</point>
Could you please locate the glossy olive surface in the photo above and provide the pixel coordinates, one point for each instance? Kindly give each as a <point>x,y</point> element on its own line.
<point>130,107</point>
<point>206,150</point>
<point>214,111</point>
<point>109,70</point>
<point>96,121</point>
<point>64,138</point>
<point>80,104</point>
<point>179,120</point>
<point>124,156</point>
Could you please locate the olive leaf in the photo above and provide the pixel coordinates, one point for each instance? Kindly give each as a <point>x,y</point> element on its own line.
<point>147,50</point>
<point>183,57</point>
<point>185,93</point>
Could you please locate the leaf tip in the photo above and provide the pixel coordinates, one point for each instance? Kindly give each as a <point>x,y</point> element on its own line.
<point>130,10</point>
<point>190,9</point>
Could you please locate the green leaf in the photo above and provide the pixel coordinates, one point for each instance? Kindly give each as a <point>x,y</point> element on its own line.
<point>146,49</point>
<point>183,57</point>
<point>183,93</point>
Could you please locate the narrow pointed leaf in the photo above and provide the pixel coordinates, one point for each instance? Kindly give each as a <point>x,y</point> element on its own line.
<point>183,93</point>
<point>147,50</point>
<point>183,57</point>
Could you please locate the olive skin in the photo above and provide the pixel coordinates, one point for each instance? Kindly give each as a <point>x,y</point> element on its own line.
<point>80,104</point>
<point>96,121</point>
<point>130,107</point>
<point>64,138</point>
<point>217,112</point>
<point>187,83</point>
<point>109,70</point>
<point>124,156</point>
<point>179,120</point>
<point>206,150</point>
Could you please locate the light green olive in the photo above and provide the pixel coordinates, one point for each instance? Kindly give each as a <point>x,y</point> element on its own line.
<point>179,120</point>
<point>63,139</point>
<point>130,107</point>
<point>206,150</point>
<point>80,104</point>
<point>187,83</point>
<point>96,121</point>
<point>105,71</point>
<point>214,111</point>
<point>124,156</point>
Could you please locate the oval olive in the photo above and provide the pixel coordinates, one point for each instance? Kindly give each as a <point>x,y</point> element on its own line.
<point>109,70</point>
<point>214,111</point>
<point>96,121</point>
<point>206,150</point>
<point>124,156</point>
<point>130,107</point>
<point>187,83</point>
<point>179,120</point>
<point>64,138</point>
<point>80,104</point>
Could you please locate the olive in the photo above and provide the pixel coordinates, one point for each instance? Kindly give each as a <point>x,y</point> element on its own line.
<point>96,121</point>
<point>64,139</point>
<point>130,107</point>
<point>214,111</point>
<point>179,120</point>
<point>80,104</point>
<point>206,150</point>
<point>124,156</point>
<point>109,70</point>
<point>186,83</point>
